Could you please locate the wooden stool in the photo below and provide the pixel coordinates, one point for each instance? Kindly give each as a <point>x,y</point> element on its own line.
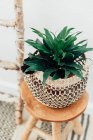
<point>56,116</point>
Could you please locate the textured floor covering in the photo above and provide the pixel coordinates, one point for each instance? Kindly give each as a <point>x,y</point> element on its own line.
<point>7,121</point>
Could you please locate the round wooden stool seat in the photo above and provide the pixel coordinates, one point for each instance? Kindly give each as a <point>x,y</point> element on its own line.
<point>42,112</point>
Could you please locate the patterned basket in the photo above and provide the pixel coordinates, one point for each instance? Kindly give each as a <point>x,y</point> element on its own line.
<point>59,93</point>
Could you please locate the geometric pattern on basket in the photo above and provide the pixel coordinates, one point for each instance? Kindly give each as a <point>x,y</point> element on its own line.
<point>55,97</point>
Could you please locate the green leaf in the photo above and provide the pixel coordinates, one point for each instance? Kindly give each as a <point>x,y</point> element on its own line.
<point>49,39</point>
<point>75,47</point>
<point>32,56</point>
<point>78,73</point>
<point>81,42</point>
<point>36,61</point>
<point>69,30</point>
<point>48,35</point>
<point>70,48</point>
<point>69,36</point>
<point>68,56</point>
<point>36,45</point>
<point>67,73</point>
<point>38,33</point>
<point>78,33</point>
<point>47,45</point>
<point>82,50</point>
<point>35,67</point>
<point>47,73</point>
<point>51,47</point>
<point>63,33</point>
<point>75,65</point>
<point>60,45</point>
<point>55,76</point>
<point>37,64</point>
<point>71,40</point>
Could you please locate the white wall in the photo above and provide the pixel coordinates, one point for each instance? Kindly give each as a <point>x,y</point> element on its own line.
<point>52,14</point>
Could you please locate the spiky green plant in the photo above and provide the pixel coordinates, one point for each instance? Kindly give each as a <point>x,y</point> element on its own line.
<point>59,56</point>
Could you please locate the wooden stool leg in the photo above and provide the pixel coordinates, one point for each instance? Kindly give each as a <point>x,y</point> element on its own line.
<point>77,126</point>
<point>56,131</point>
<point>30,124</point>
<point>68,128</point>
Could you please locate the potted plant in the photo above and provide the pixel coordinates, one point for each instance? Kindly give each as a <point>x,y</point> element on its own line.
<point>57,72</point>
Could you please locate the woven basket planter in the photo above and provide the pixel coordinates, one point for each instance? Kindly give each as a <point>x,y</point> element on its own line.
<point>59,93</point>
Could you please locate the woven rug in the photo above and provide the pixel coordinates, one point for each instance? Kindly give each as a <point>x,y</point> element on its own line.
<point>7,120</point>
